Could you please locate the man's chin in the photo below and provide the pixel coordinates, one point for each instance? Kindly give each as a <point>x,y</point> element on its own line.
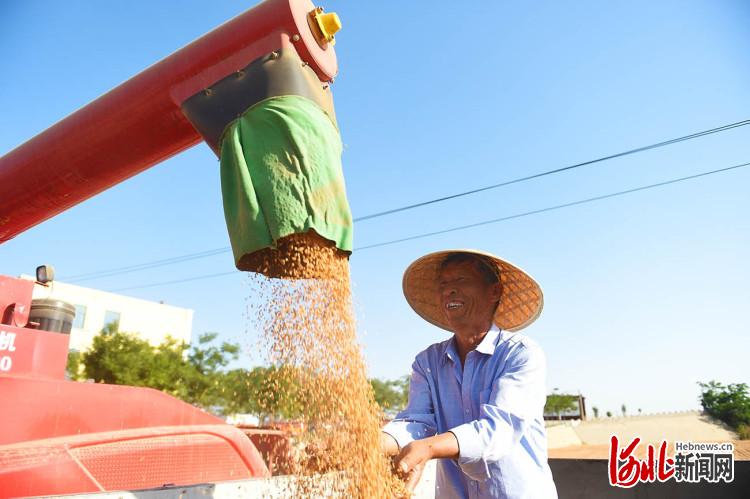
<point>455,322</point>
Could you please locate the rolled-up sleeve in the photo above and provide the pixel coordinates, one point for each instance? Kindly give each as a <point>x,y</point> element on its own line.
<point>517,396</point>
<point>417,421</point>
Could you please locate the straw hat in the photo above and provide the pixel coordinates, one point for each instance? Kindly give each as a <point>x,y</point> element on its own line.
<point>520,304</point>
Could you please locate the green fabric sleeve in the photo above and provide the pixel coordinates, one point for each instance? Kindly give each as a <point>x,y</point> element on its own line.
<point>281,174</point>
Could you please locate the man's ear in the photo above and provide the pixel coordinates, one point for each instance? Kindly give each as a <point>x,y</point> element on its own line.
<point>496,291</point>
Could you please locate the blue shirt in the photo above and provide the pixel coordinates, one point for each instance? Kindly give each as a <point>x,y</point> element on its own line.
<point>494,406</point>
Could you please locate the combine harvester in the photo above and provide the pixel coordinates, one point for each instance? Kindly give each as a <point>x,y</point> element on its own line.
<point>60,437</point>
<point>260,81</point>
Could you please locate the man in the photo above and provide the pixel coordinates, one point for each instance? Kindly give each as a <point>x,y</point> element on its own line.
<point>477,399</point>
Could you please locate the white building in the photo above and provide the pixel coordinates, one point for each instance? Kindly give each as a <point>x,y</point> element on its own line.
<point>96,309</point>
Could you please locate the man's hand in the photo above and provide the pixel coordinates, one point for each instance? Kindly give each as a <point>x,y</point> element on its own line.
<point>411,461</point>
<point>412,458</point>
<point>388,444</point>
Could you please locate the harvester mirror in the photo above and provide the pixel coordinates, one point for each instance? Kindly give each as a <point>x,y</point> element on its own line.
<point>45,274</point>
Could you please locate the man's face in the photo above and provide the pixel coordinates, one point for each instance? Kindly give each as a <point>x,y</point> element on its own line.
<point>468,300</point>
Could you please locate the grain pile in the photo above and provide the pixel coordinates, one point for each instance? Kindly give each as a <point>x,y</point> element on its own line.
<point>307,329</point>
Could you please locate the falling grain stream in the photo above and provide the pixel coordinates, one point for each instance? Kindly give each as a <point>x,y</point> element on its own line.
<point>307,330</point>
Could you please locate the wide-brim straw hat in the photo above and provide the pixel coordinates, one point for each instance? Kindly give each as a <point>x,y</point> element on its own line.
<point>520,304</point>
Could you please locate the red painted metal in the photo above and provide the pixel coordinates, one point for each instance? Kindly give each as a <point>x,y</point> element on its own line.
<point>275,446</point>
<point>33,353</point>
<point>45,408</point>
<point>23,351</point>
<point>15,300</point>
<point>129,459</point>
<point>139,123</point>
<point>60,437</point>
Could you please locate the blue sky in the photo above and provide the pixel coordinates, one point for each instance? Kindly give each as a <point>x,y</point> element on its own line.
<point>645,294</point>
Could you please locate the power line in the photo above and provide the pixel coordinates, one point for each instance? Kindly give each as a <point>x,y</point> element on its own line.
<point>557,170</point>
<point>146,265</point>
<point>216,251</point>
<point>177,281</point>
<point>488,222</point>
<point>551,208</point>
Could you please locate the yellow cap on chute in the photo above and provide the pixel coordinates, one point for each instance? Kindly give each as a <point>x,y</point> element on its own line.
<point>327,26</point>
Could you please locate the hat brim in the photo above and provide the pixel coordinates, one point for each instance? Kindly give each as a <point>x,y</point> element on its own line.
<point>520,304</point>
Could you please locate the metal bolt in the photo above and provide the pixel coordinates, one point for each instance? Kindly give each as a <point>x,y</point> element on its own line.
<point>240,73</point>
<point>295,38</point>
<point>304,64</point>
<point>208,91</point>
<point>273,55</point>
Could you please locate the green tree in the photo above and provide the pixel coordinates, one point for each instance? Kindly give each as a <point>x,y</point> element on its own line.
<point>191,374</point>
<point>206,381</point>
<point>280,392</point>
<point>391,394</point>
<point>729,404</point>
<point>242,391</point>
<point>199,375</point>
<point>558,403</point>
<point>73,366</point>
<point>123,359</point>
<point>111,328</point>
<point>270,393</point>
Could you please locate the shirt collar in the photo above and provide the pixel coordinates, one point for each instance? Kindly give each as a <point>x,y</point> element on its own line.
<point>486,346</point>
<point>488,343</point>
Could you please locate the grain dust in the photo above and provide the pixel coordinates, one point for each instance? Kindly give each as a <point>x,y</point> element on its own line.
<point>305,318</point>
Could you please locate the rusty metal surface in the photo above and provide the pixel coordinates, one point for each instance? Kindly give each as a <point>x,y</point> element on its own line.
<point>281,72</point>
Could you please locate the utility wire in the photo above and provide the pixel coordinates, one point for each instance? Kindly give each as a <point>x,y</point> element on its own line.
<point>147,265</point>
<point>488,222</point>
<point>557,170</point>
<point>204,254</point>
<point>177,281</point>
<point>551,208</point>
